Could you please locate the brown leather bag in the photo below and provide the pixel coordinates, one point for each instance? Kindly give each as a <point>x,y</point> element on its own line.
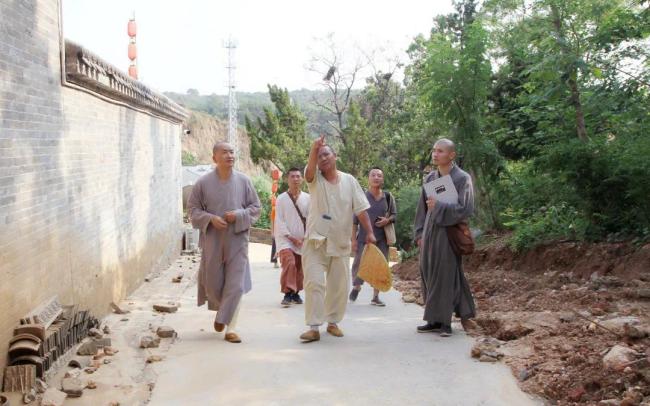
<point>460,239</point>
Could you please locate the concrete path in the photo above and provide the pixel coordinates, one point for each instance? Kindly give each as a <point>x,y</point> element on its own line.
<point>380,361</point>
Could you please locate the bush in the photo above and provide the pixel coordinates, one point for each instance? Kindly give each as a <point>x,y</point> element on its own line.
<point>262,184</point>
<point>406,255</point>
<point>593,190</point>
<point>611,179</point>
<point>406,198</point>
<point>187,159</point>
<point>538,206</point>
<point>546,224</point>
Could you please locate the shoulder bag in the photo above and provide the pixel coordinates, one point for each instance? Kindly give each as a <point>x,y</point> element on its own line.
<point>460,238</point>
<point>389,229</point>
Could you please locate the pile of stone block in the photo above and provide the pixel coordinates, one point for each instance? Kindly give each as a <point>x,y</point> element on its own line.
<point>42,337</point>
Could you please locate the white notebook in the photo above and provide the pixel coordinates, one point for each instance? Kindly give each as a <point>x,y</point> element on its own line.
<point>442,189</point>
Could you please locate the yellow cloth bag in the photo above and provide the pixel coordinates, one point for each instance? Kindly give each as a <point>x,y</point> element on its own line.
<point>374,268</point>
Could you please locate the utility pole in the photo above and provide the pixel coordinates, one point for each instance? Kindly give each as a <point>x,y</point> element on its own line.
<point>231,45</point>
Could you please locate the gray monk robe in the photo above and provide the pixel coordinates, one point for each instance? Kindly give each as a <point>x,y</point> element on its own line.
<point>224,274</point>
<point>444,287</point>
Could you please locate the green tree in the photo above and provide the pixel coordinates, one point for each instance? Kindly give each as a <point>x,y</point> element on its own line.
<point>569,104</point>
<point>280,136</point>
<point>363,143</point>
<point>361,151</point>
<point>555,52</point>
<point>410,134</point>
<point>451,75</point>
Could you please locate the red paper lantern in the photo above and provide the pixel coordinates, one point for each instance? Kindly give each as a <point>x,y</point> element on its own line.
<point>133,71</point>
<point>275,174</point>
<point>132,28</point>
<point>133,51</point>
<point>274,188</point>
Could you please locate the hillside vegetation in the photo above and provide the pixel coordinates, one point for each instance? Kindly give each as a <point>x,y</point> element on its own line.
<point>205,131</point>
<point>548,102</point>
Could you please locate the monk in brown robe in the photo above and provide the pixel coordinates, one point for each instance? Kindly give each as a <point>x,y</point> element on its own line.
<point>224,205</point>
<point>444,287</point>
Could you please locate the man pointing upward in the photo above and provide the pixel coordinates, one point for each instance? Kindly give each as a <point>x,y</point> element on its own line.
<point>335,197</point>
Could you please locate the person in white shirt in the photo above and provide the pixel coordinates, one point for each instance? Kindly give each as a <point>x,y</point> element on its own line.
<point>291,210</point>
<point>334,197</point>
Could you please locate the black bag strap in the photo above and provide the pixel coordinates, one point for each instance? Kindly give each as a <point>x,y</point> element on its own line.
<point>388,197</point>
<point>302,218</point>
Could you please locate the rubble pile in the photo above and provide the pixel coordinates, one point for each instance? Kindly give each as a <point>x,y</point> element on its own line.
<point>572,334</point>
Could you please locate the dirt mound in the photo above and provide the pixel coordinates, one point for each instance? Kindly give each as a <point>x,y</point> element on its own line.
<point>582,259</point>
<point>561,313</point>
<point>205,131</point>
<point>407,270</point>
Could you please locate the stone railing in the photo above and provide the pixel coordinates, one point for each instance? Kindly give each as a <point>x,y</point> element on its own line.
<point>261,236</point>
<point>85,69</point>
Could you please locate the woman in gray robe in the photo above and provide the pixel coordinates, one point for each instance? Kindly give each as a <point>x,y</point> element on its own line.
<point>444,287</point>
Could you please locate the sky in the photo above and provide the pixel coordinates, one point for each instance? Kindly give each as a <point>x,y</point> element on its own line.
<point>180,43</point>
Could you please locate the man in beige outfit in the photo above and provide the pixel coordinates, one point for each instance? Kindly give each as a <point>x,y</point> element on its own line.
<point>335,197</point>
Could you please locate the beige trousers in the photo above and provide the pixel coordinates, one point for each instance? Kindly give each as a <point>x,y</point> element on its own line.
<point>233,321</point>
<point>230,328</point>
<point>326,285</point>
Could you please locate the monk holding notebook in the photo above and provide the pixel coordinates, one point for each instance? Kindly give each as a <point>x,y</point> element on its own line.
<point>444,287</point>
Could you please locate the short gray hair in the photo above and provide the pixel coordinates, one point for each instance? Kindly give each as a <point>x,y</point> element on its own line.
<point>331,148</point>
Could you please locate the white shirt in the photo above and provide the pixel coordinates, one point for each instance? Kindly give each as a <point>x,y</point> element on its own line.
<point>287,220</point>
<point>339,201</point>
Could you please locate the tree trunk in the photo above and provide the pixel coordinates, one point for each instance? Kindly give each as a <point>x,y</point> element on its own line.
<point>577,105</point>
<point>572,73</point>
<point>492,215</point>
<point>339,116</point>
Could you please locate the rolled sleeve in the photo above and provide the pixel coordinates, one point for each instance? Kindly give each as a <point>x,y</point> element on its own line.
<point>359,199</point>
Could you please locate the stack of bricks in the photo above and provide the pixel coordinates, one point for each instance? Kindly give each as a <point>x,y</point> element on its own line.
<point>67,331</point>
<point>44,336</point>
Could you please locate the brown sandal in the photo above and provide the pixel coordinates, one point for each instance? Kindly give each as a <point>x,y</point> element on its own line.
<point>334,330</point>
<point>218,327</point>
<point>232,338</point>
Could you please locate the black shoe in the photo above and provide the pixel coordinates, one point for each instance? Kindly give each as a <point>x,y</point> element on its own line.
<point>429,328</point>
<point>445,331</point>
<point>286,302</point>
<point>354,294</point>
<point>376,302</point>
<point>295,298</point>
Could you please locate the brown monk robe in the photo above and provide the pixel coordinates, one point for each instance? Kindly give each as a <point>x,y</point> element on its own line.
<point>224,205</point>
<point>444,287</point>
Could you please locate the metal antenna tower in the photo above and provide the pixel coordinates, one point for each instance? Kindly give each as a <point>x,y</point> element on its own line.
<point>231,45</point>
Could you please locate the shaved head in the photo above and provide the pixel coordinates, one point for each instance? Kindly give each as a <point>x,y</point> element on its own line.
<point>446,143</point>
<point>223,154</point>
<point>444,152</point>
<point>220,145</point>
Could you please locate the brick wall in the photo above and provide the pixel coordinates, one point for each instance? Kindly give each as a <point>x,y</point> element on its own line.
<point>90,197</point>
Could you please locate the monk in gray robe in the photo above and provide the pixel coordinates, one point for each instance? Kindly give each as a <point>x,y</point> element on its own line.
<point>224,205</point>
<point>444,287</point>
